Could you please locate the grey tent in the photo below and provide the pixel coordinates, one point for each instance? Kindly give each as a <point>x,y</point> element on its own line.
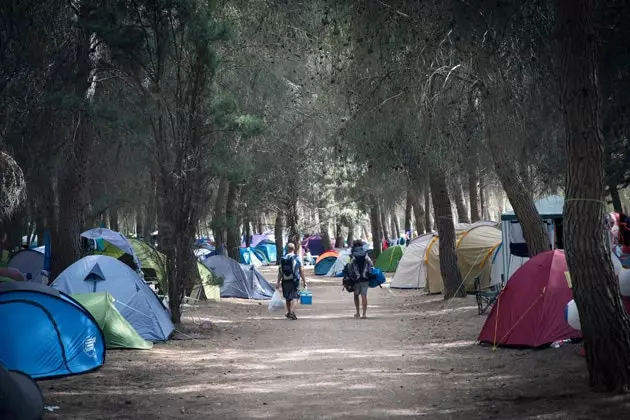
<point>30,262</point>
<point>239,280</point>
<point>20,396</point>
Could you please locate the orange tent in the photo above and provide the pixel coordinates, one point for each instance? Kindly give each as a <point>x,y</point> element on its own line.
<point>326,255</point>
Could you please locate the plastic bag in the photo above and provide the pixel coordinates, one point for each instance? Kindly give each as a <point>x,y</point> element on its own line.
<point>276,304</point>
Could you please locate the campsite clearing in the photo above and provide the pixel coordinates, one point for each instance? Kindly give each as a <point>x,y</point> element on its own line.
<point>414,357</point>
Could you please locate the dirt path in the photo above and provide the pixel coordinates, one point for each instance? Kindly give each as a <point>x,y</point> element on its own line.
<point>413,358</point>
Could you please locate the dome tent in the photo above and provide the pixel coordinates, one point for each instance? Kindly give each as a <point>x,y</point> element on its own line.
<point>411,272</point>
<point>389,259</point>
<point>46,333</point>
<point>239,280</point>
<point>29,262</point>
<point>134,298</point>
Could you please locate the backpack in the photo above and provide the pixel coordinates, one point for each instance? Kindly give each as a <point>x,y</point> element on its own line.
<point>347,282</point>
<point>288,268</point>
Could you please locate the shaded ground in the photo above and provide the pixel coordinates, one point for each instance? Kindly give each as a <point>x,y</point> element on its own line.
<point>414,358</point>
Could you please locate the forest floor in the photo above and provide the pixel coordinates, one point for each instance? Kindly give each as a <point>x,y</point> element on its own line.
<point>414,357</point>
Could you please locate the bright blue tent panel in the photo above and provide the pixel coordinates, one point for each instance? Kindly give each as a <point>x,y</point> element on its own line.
<point>239,280</point>
<point>251,256</point>
<point>46,333</point>
<point>134,299</point>
<point>268,249</point>
<point>323,266</point>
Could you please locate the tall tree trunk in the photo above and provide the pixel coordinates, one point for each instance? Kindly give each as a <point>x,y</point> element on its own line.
<point>277,231</point>
<point>259,225</point>
<point>419,212</point>
<point>338,235</point>
<point>350,232</point>
<point>605,325</point>
<point>427,206</point>
<point>248,232</point>
<point>408,208</point>
<point>381,212</point>
<point>323,225</point>
<point>614,195</point>
<point>460,204</point>
<point>453,281</point>
<point>473,193</point>
<point>231,219</point>
<point>375,222</point>
<point>293,221</point>
<point>483,199</point>
<point>219,223</point>
<point>113,219</point>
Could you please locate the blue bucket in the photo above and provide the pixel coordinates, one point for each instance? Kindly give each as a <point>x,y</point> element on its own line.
<point>306,297</point>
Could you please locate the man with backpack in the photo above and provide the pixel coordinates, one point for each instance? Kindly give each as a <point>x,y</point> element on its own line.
<point>358,272</point>
<point>289,275</point>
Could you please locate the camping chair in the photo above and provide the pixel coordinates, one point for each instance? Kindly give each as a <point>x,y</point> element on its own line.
<point>485,297</point>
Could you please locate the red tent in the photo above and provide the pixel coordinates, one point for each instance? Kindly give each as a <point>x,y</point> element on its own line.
<point>530,310</point>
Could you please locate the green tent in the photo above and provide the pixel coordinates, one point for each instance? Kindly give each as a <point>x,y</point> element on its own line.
<point>211,286</point>
<point>388,260</point>
<point>119,334</point>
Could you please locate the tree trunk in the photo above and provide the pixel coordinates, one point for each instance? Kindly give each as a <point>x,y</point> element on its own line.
<point>427,205</point>
<point>408,209</point>
<point>350,233</point>
<point>259,224</point>
<point>277,231</point>
<point>113,219</point>
<point>396,224</point>
<point>375,222</point>
<point>419,213</point>
<point>614,195</point>
<point>483,199</point>
<point>453,281</point>
<point>381,212</point>
<point>338,236</point>
<point>219,223</point>
<point>293,222</point>
<point>231,219</point>
<point>605,325</point>
<point>473,193</point>
<point>248,232</point>
<point>73,183</point>
<point>460,204</point>
<point>323,225</point>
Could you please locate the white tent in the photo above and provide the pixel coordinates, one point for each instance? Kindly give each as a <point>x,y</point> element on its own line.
<point>412,269</point>
<point>115,238</point>
<point>342,260</point>
<point>30,262</point>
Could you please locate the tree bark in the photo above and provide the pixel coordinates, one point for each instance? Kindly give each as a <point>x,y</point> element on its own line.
<point>419,212</point>
<point>277,231</point>
<point>350,233</point>
<point>248,232</point>
<point>293,220</point>
<point>408,209</point>
<point>323,225</point>
<point>338,236</point>
<point>113,219</point>
<point>605,325</point>
<point>375,222</point>
<point>460,204</point>
<point>483,199</point>
<point>381,212</point>
<point>453,281</point>
<point>219,222</point>
<point>473,193</point>
<point>427,205</point>
<point>231,219</point>
<point>396,225</point>
<point>614,195</point>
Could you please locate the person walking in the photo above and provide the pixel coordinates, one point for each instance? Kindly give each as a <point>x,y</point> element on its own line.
<point>289,274</point>
<point>360,270</point>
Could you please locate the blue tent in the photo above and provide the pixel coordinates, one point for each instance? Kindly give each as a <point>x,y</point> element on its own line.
<point>268,249</point>
<point>251,256</point>
<point>239,280</point>
<point>46,333</point>
<point>134,299</point>
<point>324,265</point>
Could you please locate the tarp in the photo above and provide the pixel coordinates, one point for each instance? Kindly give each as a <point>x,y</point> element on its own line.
<point>20,396</point>
<point>548,208</point>
<point>134,299</point>
<point>29,262</point>
<point>115,238</point>
<point>46,333</point>
<point>529,311</point>
<point>239,280</point>
<point>389,259</point>
<point>119,334</point>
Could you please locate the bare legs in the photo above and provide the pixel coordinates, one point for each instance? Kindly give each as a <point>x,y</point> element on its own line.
<point>364,304</point>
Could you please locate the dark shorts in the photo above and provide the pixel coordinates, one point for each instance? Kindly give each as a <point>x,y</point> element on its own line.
<point>290,290</point>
